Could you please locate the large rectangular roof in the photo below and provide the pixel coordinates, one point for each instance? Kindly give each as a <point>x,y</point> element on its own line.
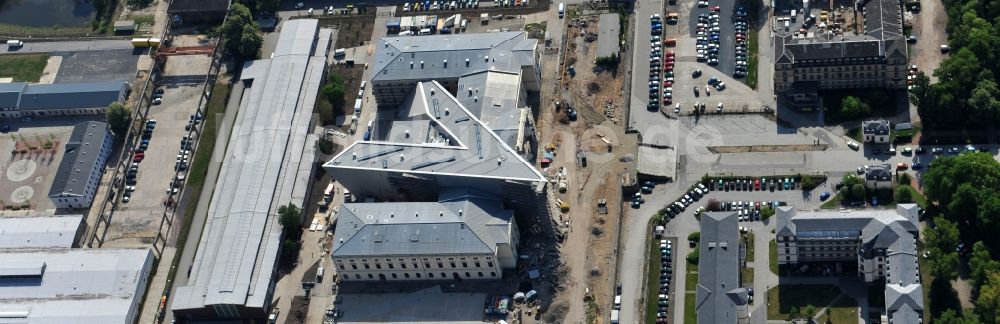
<point>607,35</point>
<point>458,143</point>
<point>77,165</point>
<point>71,95</point>
<point>467,225</point>
<point>399,58</point>
<point>73,285</point>
<point>236,255</point>
<point>719,297</point>
<point>39,232</point>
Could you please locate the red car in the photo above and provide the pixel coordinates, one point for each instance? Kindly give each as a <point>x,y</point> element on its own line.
<point>667,101</point>
<point>756,184</point>
<point>714,8</point>
<point>667,84</point>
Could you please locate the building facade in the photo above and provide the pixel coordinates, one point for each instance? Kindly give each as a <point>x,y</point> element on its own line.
<point>468,235</point>
<point>79,173</point>
<point>22,99</point>
<point>876,131</point>
<point>881,243</point>
<point>875,58</point>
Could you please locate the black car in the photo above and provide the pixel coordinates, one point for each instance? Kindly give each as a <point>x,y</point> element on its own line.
<point>920,150</point>
<point>158,92</point>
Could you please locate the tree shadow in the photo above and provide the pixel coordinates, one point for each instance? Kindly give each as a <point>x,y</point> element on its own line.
<point>943,297</point>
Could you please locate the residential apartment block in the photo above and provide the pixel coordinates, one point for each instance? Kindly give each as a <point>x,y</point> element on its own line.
<point>467,235</point>
<point>873,58</point>
<point>881,242</point>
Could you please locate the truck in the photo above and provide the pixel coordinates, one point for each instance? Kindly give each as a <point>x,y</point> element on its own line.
<point>145,42</point>
<point>562,10</point>
<point>614,316</point>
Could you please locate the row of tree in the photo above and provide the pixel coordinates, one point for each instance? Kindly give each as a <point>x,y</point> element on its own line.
<point>966,189</point>
<point>966,92</point>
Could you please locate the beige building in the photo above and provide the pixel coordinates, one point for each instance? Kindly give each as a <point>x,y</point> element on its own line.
<point>875,58</point>
<point>461,237</point>
<point>883,243</point>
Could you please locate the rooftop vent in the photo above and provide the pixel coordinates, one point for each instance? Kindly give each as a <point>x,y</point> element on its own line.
<point>411,65</point>
<point>459,212</point>
<point>446,64</point>
<point>487,58</point>
<point>402,158</point>
<point>466,62</point>
<point>421,64</point>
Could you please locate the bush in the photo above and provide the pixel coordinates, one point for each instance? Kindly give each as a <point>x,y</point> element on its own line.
<point>904,179</point>
<point>858,192</point>
<point>903,195</point>
<point>692,257</point>
<point>695,236</point>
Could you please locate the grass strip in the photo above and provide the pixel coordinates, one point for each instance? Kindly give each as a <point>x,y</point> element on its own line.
<point>23,67</point>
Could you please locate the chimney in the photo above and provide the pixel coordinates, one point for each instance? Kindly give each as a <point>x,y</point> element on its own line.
<point>466,62</point>
<point>411,65</point>
<point>459,212</point>
<point>487,58</point>
<point>446,64</point>
<point>421,64</point>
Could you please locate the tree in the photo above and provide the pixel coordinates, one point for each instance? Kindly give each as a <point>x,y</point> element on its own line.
<point>334,90</point>
<point>964,203</point>
<point>268,6</point>
<point>949,316</point>
<point>858,192</point>
<point>903,195</point>
<point>119,118</point>
<point>983,102</point>
<point>852,108</point>
<point>239,32</point>
<point>988,302</point>
<point>946,174</point>
<point>290,218</point>
<point>981,264</point>
<point>941,242</point>
<point>694,236</point>
<point>692,257</point>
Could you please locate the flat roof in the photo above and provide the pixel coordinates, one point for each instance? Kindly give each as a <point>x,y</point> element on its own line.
<point>657,161</point>
<point>39,232</point>
<point>74,285</point>
<point>505,51</point>
<point>608,28</point>
<point>457,143</point>
<point>236,255</point>
<point>71,95</point>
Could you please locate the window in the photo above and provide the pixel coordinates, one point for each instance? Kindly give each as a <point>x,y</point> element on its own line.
<point>345,277</point>
<point>393,276</point>
<point>390,266</point>
<point>478,265</point>
<point>480,274</point>
<point>357,276</point>
<point>354,266</point>
<point>465,264</point>
<point>378,266</point>
<point>406,275</point>
<point>367,267</point>
<point>493,274</point>
<point>490,264</point>
<point>416,266</point>
<point>453,264</point>
<point>788,258</point>
<point>440,265</point>
<point>430,275</point>
<point>467,275</point>
<point>370,276</point>
<point>341,266</point>
<point>417,274</point>
<point>426,265</point>
<point>443,275</point>
<point>401,265</point>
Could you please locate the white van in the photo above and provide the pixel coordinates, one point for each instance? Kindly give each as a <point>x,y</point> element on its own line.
<point>786,25</point>
<point>13,43</point>
<point>562,9</point>
<point>462,25</point>
<point>406,33</point>
<point>425,31</point>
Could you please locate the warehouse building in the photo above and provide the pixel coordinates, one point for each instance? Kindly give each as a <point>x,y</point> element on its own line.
<point>266,166</point>
<point>882,243</point>
<point>43,280</point>
<point>79,173</point>
<point>20,99</point>
<point>467,235</point>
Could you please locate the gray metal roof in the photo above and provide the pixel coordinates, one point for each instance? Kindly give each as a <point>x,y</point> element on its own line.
<point>875,127</point>
<point>892,230</point>
<point>39,232</point>
<point>465,225</point>
<point>261,172</point>
<point>71,95</point>
<point>507,51</point>
<point>75,285</point>
<point>452,141</point>
<point>83,150</point>
<point>607,35</point>
<point>719,297</point>
<point>879,173</point>
<point>10,93</point>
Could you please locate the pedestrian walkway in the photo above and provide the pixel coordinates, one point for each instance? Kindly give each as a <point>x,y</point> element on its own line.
<point>157,284</point>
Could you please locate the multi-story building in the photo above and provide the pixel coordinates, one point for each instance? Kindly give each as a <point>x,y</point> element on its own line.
<point>882,243</point>
<point>719,297</point>
<point>267,165</point>
<point>876,131</point>
<point>879,176</point>
<point>467,235</point>
<point>451,114</point>
<point>20,99</point>
<point>82,166</point>
<point>875,58</point>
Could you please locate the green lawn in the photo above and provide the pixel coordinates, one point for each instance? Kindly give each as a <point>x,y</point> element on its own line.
<point>748,238</point>
<point>855,134</point>
<point>752,63</point>
<point>691,279</point>
<point>199,166</point>
<point>23,67</point>
<point>918,198</point>
<point>772,256</point>
<point>833,202</point>
<point>784,300</point>
<point>747,274</point>
<point>690,316</point>
<point>652,279</point>
<point>840,314</point>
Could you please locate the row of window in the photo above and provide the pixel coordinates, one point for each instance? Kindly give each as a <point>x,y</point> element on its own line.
<point>427,265</point>
<point>418,275</point>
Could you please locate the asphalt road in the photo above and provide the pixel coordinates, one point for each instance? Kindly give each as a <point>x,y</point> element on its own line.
<point>69,46</point>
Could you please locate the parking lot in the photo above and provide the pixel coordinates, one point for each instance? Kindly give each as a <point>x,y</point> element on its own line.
<point>719,22</point>
<point>137,221</point>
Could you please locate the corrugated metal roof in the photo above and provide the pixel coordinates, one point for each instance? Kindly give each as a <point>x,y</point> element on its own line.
<point>39,232</point>
<point>260,172</point>
<point>77,285</point>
